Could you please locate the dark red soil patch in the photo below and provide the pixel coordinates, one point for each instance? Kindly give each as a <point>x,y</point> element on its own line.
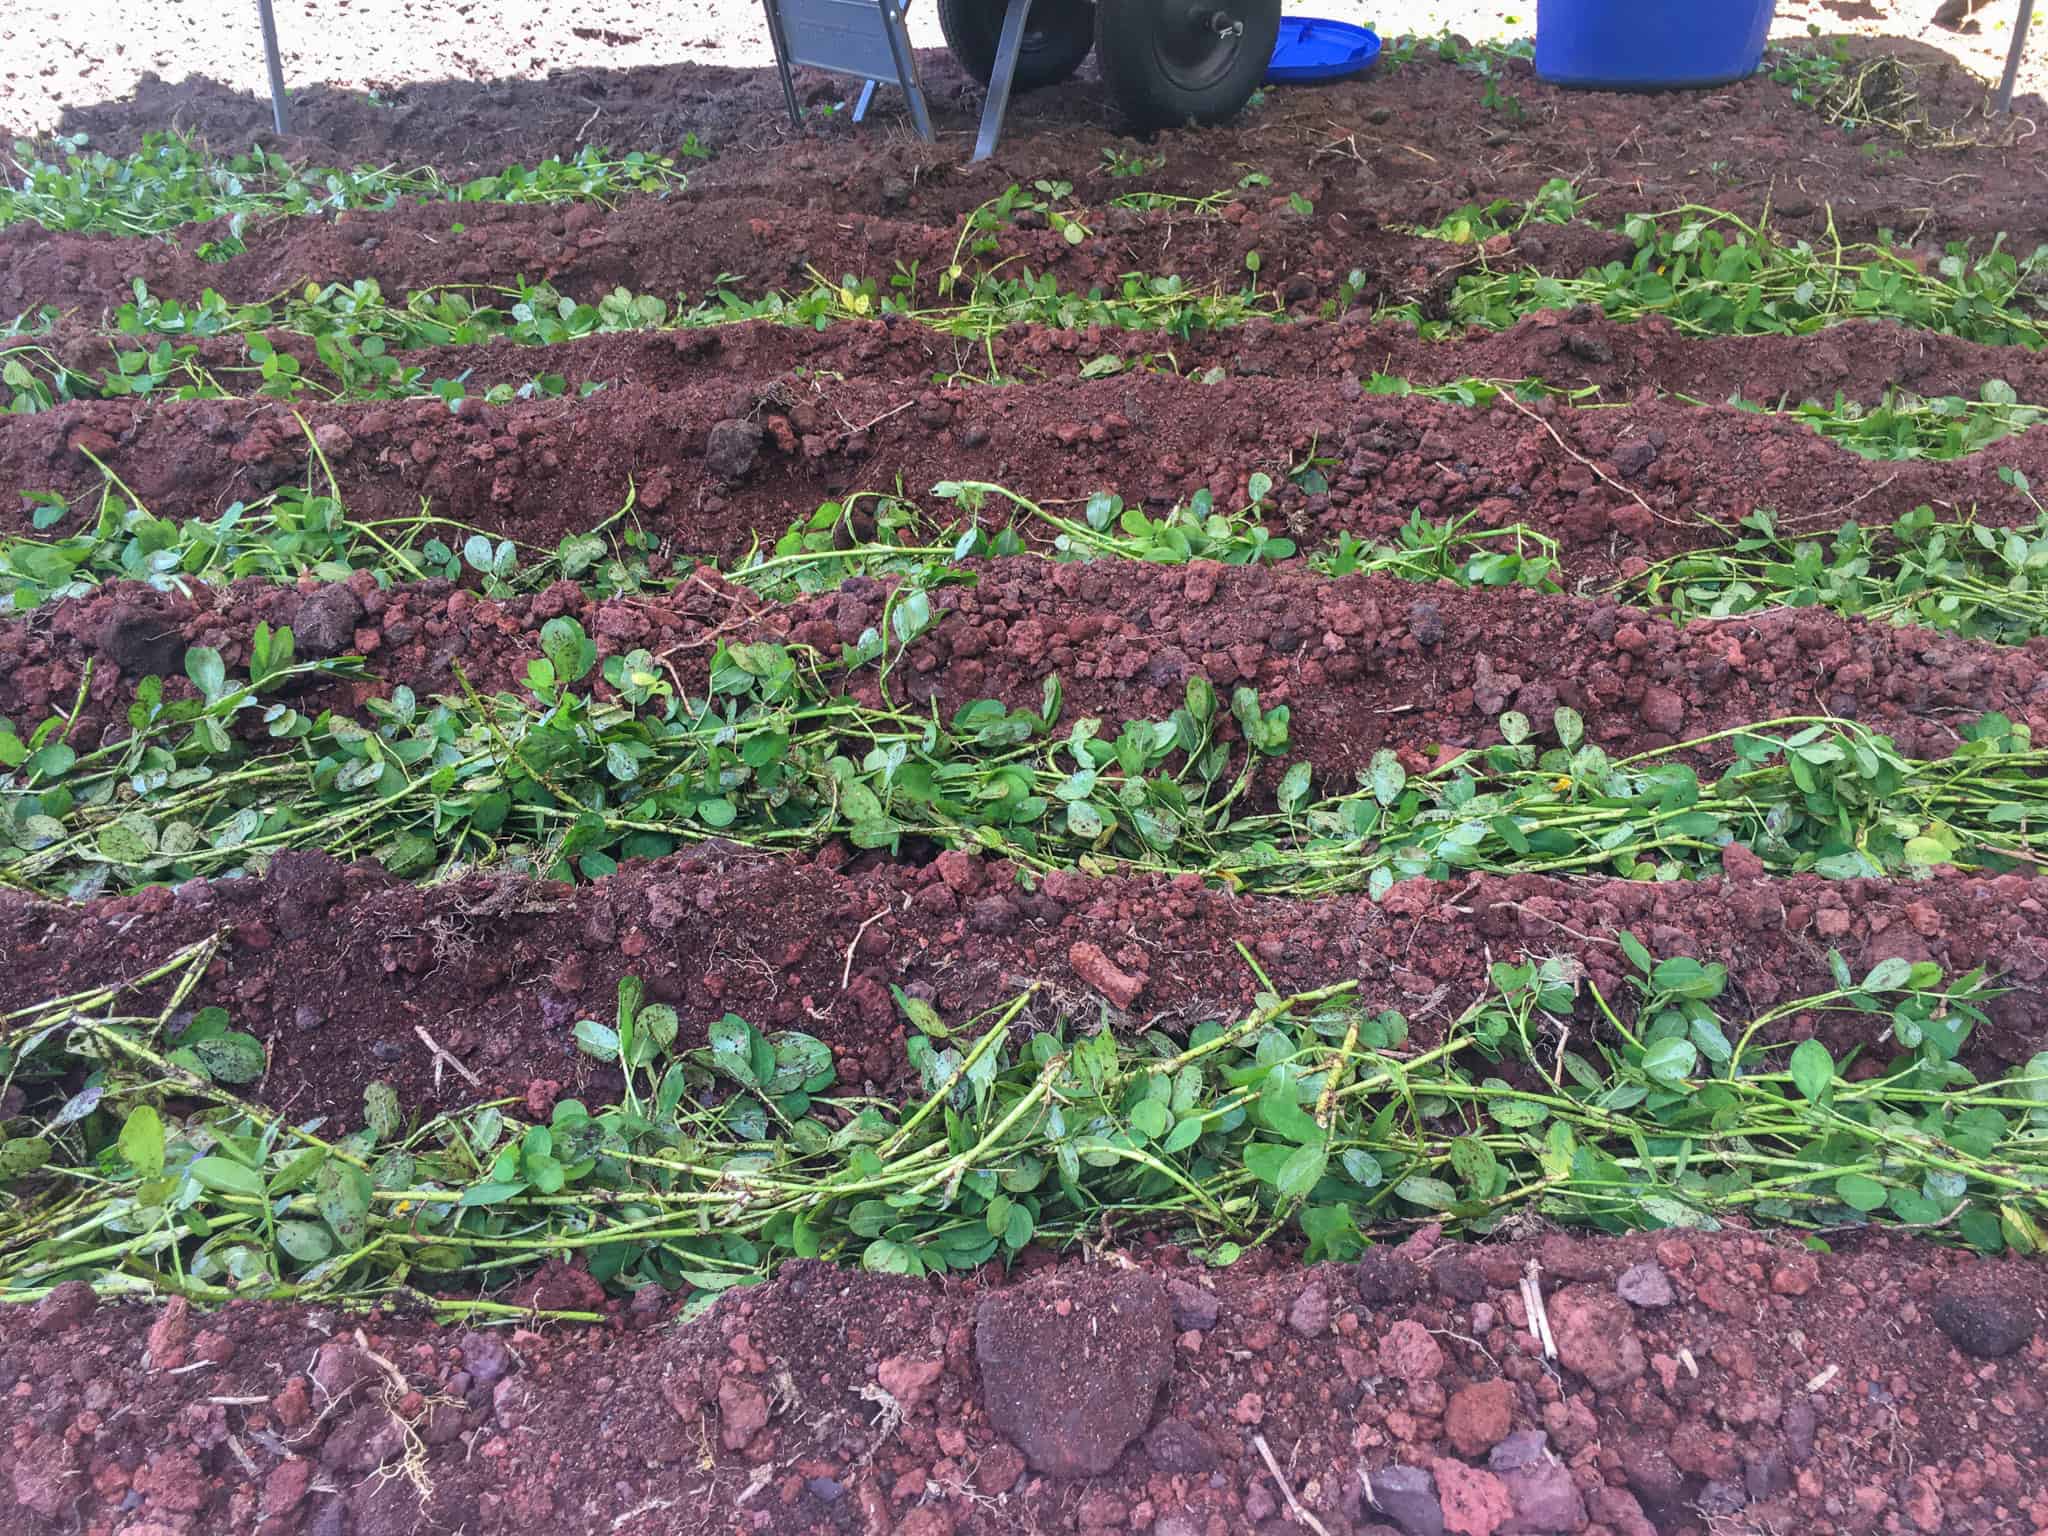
<point>334,965</point>
<point>1363,662</point>
<point>1775,1390</point>
<point>1420,137</point>
<point>1570,350</point>
<point>690,244</point>
<point>1641,481</point>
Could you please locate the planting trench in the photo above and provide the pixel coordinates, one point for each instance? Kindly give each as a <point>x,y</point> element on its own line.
<point>758,246</point>
<point>336,967</point>
<point>1363,662</point>
<point>719,464</point>
<point>1569,349</point>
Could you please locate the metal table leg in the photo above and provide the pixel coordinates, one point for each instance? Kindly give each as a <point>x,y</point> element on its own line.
<point>781,46</point>
<point>280,110</point>
<point>1015,20</point>
<point>2012,55</point>
<point>906,72</point>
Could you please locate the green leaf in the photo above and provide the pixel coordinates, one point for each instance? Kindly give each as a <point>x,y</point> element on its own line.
<point>1389,778</point>
<point>341,1194</point>
<point>1671,1061</point>
<point>142,1141</point>
<point>232,1058</point>
<point>21,1155</point>
<point>380,1110</point>
<point>131,839</point>
<point>1813,1069</point>
<point>306,1241</point>
<point>1633,947</point>
<point>921,1013</point>
<point>595,1039</point>
<point>1888,975</point>
<point>209,674</point>
<point>1303,1170</point>
<point>1431,1194</point>
<point>227,1177</point>
<point>1294,788</point>
<point>1859,1192</point>
<point>1151,1119</point>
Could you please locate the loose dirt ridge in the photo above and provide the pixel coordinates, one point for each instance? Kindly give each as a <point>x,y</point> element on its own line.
<point>1407,795</point>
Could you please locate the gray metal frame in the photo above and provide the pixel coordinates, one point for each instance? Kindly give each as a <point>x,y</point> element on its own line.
<point>280,109</point>
<point>863,38</point>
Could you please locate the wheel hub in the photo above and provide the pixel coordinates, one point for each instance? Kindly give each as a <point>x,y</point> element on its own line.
<point>1197,41</point>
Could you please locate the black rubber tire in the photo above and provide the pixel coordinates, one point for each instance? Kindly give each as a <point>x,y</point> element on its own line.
<point>1166,64</point>
<point>1058,37</point>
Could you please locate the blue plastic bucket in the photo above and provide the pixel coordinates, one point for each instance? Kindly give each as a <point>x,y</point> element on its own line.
<point>1650,45</point>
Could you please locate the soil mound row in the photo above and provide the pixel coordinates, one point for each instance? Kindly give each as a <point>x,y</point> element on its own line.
<point>1700,1380</point>
<point>1573,349</point>
<point>720,465</point>
<point>337,967</point>
<point>1416,134</point>
<point>1364,662</point>
<point>755,246</point>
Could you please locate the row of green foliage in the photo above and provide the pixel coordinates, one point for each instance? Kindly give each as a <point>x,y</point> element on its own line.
<point>773,748</point>
<point>1712,273</point>
<point>136,1166</point>
<point>172,181</point>
<point>1954,575</point>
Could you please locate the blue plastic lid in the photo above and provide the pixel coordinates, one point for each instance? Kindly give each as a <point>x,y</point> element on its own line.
<point>1310,48</point>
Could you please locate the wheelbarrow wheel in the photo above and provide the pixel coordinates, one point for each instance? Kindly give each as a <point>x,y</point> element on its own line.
<point>1168,62</point>
<point>1057,38</point>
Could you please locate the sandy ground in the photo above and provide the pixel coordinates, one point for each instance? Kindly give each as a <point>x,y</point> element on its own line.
<point>74,52</point>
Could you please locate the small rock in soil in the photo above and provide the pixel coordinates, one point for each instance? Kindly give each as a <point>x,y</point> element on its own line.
<point>1310,1314</point>
<point>1175,1445</point>
<point>1193,1307</point>
<point>1524,1448</point>
<point>1474,1503</point>
<point>732,448</point>
<point>486,1356</point>
<point>1595,1337</point>
<point>1545,1500</point>
<point>326,621</point>
<point>1103,975</point>
<point>1458,1276</point>
<point>1479,1416</point>
<point>1645,1285</point>
<point>1409,1353</point>
<point>42,1476</point>
<point>1070,1372</point>
<point>1384,1276</point>
<point>1407,1496</point>
<point>742,1412</point>
<point>1984,1323</point>
<point>66,1306</point>
<point>911,1382</point>
<point>1663,710</point>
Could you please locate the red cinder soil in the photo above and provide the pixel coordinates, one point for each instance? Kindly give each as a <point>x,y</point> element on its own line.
<point>757,245</point>
<point>336,966</point>
<point>1750,1385</point>
<point>720,462</point>
<point>1364,662</point>
<point>1569,349</point>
